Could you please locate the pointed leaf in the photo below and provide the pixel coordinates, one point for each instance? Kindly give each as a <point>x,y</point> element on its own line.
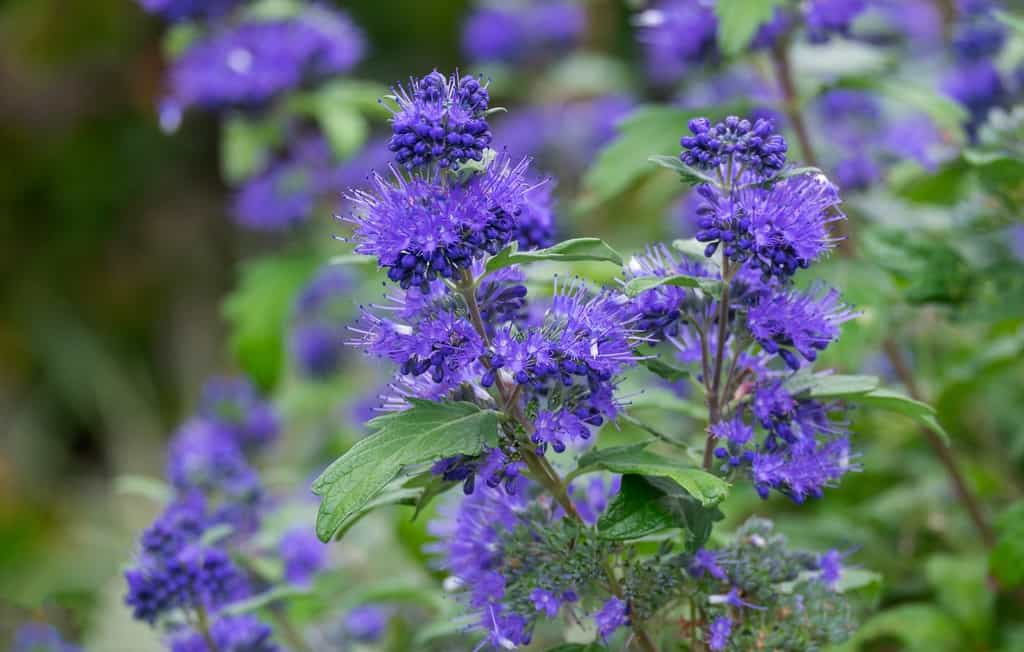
<point>669,372</point>
<point>643,283</point>
<point>568,250</point>
<point>426,432</point>
<point>700,484</point>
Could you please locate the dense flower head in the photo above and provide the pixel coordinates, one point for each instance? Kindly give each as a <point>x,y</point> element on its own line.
<point>196,576</point>
<point>251,63</point>
<point>41,637</point>
<point>177,10</point>
<point>781,228</point>
<point>440,120</point>
<point>182,523</point>
<point>677,34</point>
<point>804,322</point>
<point>421,229</point>
<point>802,470</point>
<point>285,193</point>
<point>243,633</point>
<point>827,17</point>
<point>443,344</point>
<point>525,31</point>
<point>735,141</point>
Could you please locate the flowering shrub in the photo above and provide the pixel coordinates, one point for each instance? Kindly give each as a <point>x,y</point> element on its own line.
<point>585,447</point>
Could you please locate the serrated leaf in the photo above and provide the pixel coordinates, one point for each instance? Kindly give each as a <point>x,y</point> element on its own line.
<point>1006,560</point>
<point>738,21</point>
<point>664,370</point>
<point>706,488</point>
<point>257,313</point>
<point>642,508</point>
<point>426,432</point>
<point>594,249</point>
<point>643,283</point>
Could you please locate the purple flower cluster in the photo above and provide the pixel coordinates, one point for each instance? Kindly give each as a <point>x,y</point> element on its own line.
<point>735,143</point>
<point>518,33</point>
<point>287,190</point>
<point>827,17</point>
<point>185,571</point>
<point>779,228</point>
<point>676,35</point>
<point>440,120</point>
<point>251,63</point>
<point>974,80</point>
<point>866,138</point>
<point>424,228</point>
<point>473,535</point>
<point>319,321</point>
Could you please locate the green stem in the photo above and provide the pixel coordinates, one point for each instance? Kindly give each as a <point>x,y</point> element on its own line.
<point>203,625</point>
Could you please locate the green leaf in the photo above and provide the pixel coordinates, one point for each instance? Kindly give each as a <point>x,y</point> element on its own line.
<point>345,127</point>
<point>594,249</point>
<point>706,488</point>
<point>643,283</point>
<point>403,496</point>
<point>180,38</point>
<point>642,508</point>
<point>920,627</point>
<point>257,313</point>
<point>1007,558</point>
<point>961,585</point>
<point>156,490</point>
<point>738,21</point>
<point>887,399</point>
<point>831,386</point>
<point>691,248</point>
<point>246,144</point>
<point>425,432</point>
<point>669,372</point>
<point>690,175</point>
<point>638,510</point>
